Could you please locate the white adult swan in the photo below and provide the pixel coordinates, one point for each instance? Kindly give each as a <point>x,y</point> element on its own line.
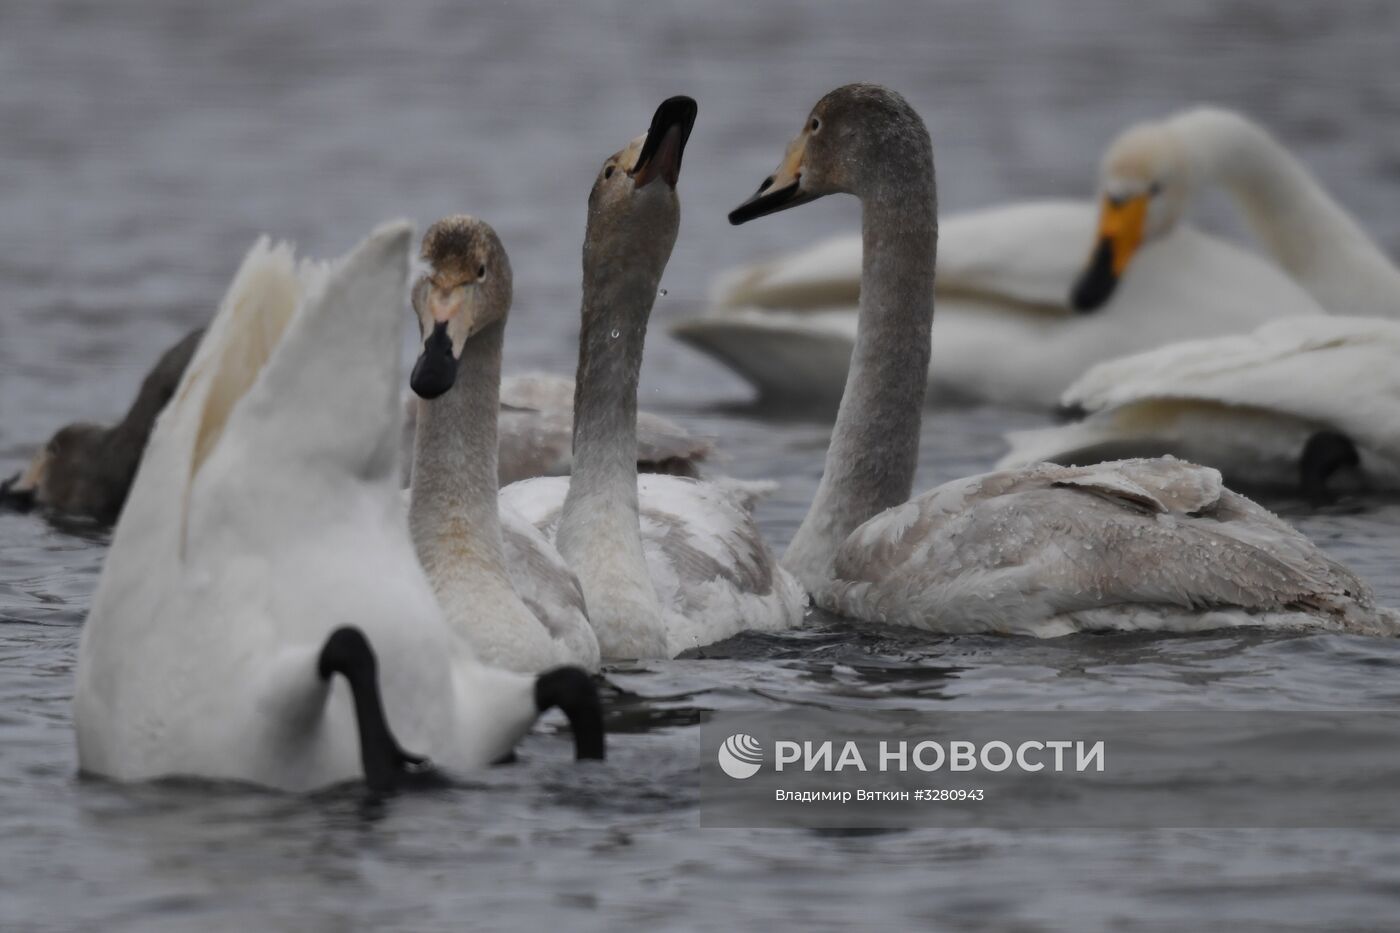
<point>1286,405</point>
<point>263,550</point>
<point>500,582</point>
<point>1008,330</point>
<point>666,563</point>
<point>1145,544</point>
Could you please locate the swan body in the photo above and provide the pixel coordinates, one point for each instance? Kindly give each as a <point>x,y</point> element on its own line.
<point>1247,405</point>
<point>712,573</point>
<point>1006,332</point>
<point>265,516</point>
<point>1045,550</point>
<point>1135,544</point>
<point>537,426</point>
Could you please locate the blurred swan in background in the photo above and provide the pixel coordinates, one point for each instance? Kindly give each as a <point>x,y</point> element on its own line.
<point>535,430</point>
<point>87,469</point>
<point>1286,405</point>
<point>667,563</point>
<point>1137,544</point>
<point>263,551</point>
<point>1019,316</point>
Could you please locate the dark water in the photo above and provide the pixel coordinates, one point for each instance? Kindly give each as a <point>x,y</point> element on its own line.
<point>144,144</point>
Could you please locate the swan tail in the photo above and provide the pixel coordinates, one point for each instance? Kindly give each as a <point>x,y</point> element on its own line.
<point>572,690</point>
<point>347,652</point>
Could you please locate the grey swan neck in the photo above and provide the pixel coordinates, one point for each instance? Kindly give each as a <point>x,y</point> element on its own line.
<point>874,448</point>
<point>600,530</point>
<point>453,512</point>
<point>1306,231</point>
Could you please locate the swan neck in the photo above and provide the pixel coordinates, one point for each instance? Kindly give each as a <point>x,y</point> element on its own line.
<point>1306,231</point>
<point>599,529</point>
<point>615,316</point>
<point>874,448</point>
<point>453,509</point>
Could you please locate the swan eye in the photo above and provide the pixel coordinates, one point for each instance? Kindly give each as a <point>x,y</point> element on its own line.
<point>815,124</point>
<point>1154,189</point>
<point>607,172</point>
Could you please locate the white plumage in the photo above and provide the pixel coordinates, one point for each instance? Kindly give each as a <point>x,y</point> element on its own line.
<point>265,515</point>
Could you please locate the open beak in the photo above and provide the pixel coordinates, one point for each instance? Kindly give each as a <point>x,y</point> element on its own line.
<point>451,313</point>
<point>665,143</point>
<point>779,191</point>
<point>1121,224</point>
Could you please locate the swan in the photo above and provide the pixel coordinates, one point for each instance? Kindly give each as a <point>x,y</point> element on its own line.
<point>1151,173</point>
<point>1047,550</point>
<point>1008,330</point>
<point>502,586</point>
<point>666,563</point>
<point>263,551</point>
<point>537,428</point>
<point>1287,405</point>
<point>87,469</point>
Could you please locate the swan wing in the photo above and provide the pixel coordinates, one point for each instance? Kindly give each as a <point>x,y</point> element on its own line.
<point>1245,404</point>
<point>548,587</point>
<point>1047,550</point>
<point>712,571</point>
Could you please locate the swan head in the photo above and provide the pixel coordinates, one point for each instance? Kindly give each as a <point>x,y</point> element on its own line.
<point>1143,189</point>
<point>851,142</point>
<point>633,209</point>
<point>468,290</point>
<point>62,472</point>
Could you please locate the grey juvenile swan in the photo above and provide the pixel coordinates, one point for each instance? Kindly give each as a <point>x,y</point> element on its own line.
<point>1045,550</point>
<point>666,562</point>
<point>500,583</point>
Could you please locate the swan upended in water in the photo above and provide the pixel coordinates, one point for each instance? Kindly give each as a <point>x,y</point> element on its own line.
<point>666,563</point>
<point>1285,405</point>
<point>263,550</point>
<point>1138,544</point>
<point>1009,328</point>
